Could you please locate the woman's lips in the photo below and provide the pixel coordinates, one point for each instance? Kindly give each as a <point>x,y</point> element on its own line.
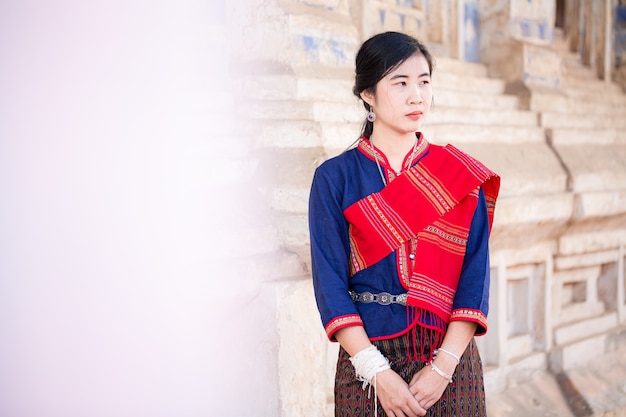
<point>414,115</point>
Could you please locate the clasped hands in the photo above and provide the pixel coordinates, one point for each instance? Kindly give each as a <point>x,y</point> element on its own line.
<point>400,399</point>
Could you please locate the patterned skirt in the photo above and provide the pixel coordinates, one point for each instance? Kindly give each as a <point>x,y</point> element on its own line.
<point>464,397</point>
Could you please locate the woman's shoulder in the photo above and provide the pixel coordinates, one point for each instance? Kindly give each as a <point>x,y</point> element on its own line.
<point>339,163</point>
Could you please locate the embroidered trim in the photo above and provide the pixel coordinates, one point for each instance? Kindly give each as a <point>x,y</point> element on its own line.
<point>476,316</point>
<point>341,322</point>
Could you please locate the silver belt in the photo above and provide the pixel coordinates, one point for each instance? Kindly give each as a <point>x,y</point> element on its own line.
<point>384,298</point>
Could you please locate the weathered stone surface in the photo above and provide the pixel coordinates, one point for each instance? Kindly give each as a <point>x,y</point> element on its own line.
<point>457,133</point>
<point>582,329</point>
<point>595,168</point>
<point>528,169</point>
<point>560,218</point>
<point>572,355</point>
<point>301,363</point>
<point>289,134</point>
<point>501,117</point>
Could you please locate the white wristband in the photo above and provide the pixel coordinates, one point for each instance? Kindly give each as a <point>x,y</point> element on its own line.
<point>368,362</point>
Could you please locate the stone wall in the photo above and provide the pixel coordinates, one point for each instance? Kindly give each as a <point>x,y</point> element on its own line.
<point>558,240</point>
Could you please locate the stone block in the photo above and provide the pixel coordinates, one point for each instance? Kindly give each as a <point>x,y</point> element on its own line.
<point>287,166</point>
<point>293,233</point>
<point>532,254</point>
<point>317,41</point>
<point>483,117</point>
<point>278,110</point>
<point>585,259</point>
<point>456,66</point>
<point>600,235</point>
<point>579,311</point>
<point>606,204</point>
<point>466,100</point>
<point>560,120</point>
<point>519,346</point>
<point>533,210</point>
<point>325,90</point>
<point>579,137</point>
<point>334,6</point>
<point>457,134</point>
<point>580,330</point>
<point>529,169</point>
<point>521,370</point>
<point>575,354</point>
<point>541,66</point>
<point>271,267</point>
<point>595,168</point>
<point>338,112</point>
<point>302,344</point>
<point>338,136</point>
<point>461,82</point>
<point>561,103</point>
<point>292,199</point>
<point>288,134</point>
<point>269,87</point>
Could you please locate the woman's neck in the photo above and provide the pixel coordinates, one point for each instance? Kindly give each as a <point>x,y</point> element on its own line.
<point>395,147</point>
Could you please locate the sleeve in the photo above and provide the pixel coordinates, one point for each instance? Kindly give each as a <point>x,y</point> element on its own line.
<point>330,250</point>
<point>471,301</point>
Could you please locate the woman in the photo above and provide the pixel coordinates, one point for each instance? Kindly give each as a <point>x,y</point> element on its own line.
<point>399,243</point>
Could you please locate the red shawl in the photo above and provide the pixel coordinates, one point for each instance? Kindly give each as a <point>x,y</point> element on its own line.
<point>432,202</point>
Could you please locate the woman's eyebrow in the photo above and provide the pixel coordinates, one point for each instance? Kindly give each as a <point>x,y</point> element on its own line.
<point>394,77</point>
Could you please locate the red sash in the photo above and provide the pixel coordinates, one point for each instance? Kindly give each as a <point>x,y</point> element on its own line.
<point>433,202</point>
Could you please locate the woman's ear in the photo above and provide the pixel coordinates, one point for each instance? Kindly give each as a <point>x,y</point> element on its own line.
<point>367,97</point>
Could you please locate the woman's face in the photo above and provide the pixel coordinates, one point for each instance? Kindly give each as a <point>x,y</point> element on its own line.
<point>403,97</point>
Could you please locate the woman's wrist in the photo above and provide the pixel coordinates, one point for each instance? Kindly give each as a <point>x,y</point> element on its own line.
<point>368,362</point>
<point>447,363</point>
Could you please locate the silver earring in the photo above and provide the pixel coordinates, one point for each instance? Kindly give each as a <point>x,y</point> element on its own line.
<point>371,116</point>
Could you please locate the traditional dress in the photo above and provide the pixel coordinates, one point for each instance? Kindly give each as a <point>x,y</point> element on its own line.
<point>403,260</point>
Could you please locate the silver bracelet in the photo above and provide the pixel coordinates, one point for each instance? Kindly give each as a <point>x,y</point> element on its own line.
<point>458,360</point>
<point>440,372</point>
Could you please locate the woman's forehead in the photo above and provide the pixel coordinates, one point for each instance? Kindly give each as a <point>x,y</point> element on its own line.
<point>415,65</point>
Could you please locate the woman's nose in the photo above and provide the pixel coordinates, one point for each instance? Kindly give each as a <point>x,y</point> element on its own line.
<point>416,96</point>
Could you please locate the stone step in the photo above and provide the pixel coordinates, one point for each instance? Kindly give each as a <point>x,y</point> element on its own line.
<point>526,169</point>
<point>466,133</point>
<point>463,82</point>
<point>304,110</point>
<point>455,66</point>
<point>450,98</point>
<point>601,204</point>
<point>594,168</point>
<point>290,87</point>
<point>533,211</point>
<point>593,90</point>
<point>559,120</point>
<point>586,136</point>
<point>483,117</point>
<point>600,235</point>
<point>561,103</point>
<point>577,71</point>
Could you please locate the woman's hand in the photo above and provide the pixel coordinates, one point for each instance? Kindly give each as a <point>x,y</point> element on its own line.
<point>427,386</point>
<point>395,396</point>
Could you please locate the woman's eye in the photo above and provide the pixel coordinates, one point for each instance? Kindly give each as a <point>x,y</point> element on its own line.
<point>402,83</point>
<point>424,82</point>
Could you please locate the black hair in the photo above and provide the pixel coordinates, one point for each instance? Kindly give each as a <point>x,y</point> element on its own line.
<point>377,57</point>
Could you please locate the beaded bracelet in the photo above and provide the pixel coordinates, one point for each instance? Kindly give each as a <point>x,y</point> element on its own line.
<point>440,372</point>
